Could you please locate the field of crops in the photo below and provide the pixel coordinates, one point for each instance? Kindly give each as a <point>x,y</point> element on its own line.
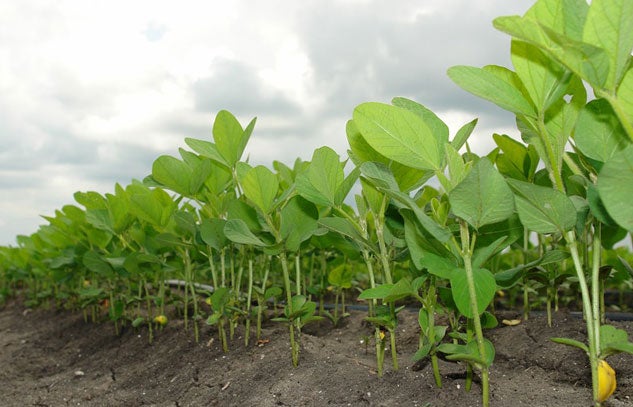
<point>226,251</point>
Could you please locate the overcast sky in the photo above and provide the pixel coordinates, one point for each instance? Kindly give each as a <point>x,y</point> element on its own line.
<point>92,92</point>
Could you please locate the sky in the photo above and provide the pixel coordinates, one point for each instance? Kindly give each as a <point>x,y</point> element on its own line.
<point>92,92</point>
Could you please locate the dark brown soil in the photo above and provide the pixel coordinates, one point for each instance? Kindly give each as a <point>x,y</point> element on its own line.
<point>54,358</point>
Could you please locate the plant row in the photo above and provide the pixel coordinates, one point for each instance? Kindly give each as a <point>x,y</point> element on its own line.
<point>228,243</point>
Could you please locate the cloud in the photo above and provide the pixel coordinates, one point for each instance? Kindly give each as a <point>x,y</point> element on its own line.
<point>235,86</point>
<point>91,94</point>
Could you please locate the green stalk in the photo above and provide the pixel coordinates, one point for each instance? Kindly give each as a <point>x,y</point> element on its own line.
<point>262,301</point>
<point>526,295</point>
<point>248,302</point>
<point>294,345</point>
<point>595,284</point>
<point>379,222</point>
<point>590,318</point>
<point>380,349</point>
<point>467,252</point>
<point>430,309</point>
<point>149,312</point>
<point>190,286</point>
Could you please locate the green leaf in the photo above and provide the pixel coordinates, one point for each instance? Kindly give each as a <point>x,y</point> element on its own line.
<point>260,185</point>
<point>483,197</point>
<point>485,288</point>
<point>153,206</point>
<point>206,149</point>
<point>399,135</point>
<point>599,134</point>
<point>463,134</point>
<point>408,178</point>
<point>587,61</point>
<point>382,178</point>
<point>173,173</point>
<point>298,222</point>
<point>212,233</point>
<point>437,126</point>
<point>615,185</point>
<point>95,263</point>
<point>489,84</point>
<point>346,228</point>
<point>625,97</point>
<point>320,183</point>
<point>609,26</point>
<point>541,76</point>
<point>237,231</point>
<point>379,292</point>
<point>542,209</point>
<point>230,138</point>
<point>517,161</point>
<point>482,254</point>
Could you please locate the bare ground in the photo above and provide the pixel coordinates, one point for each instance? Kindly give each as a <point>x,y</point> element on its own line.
<point>54,358</point>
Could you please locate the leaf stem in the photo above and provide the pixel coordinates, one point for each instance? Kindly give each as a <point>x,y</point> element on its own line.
<point>479,336</point>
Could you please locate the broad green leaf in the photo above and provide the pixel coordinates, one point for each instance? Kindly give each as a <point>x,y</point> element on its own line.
<point>609,26</point>
<point>542,209</point>
<point>323,178</point>
<point>237,231</point>
<point>298,222</point>
<point>588,61</point>
<point>492,86</point>
<point>599,134</point>
<point>597,207</point>
<point>228,135</point>
<point>463,134</point>
<point>260,185</point>
<point>625,98</point>
<point>482,254</point>
<point>379,292</point>
<point>565,16</point>
<point>173,173</point>
<point>238,209</point>
<point>485,288</point>
<point>517,161</point>
<point>119,209</point>
<point>206,149</point>
<point>421,244</point>
<point>201,171</point>
<point>437,126</point>
<point>382,178</point>
<point>400,290</point>
<point>153,206</point>
<point>95,263</point>
<point>91,200</point>
<point>408,178</point>
<point>457,168</point>
<point>212,233</point>
<point>615,185</point>
<point>483,197</point>
<point>399,135</point>
<point>543,78</point>
<point>341,275</point>
<point>100,219</point>
<point>344,227</point>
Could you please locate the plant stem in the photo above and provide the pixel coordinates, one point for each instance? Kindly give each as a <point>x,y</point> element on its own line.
<point>294,345</point>
<point>249,297</point>
<point>479,336</point>
<point>590,318</point>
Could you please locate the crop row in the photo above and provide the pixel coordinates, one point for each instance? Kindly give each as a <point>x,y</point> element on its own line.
<point>540,213</point>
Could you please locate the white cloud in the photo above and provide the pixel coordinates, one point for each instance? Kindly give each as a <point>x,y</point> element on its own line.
<point>92,92</point>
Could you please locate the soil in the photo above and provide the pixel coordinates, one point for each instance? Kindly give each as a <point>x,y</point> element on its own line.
<point>54,358</point>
